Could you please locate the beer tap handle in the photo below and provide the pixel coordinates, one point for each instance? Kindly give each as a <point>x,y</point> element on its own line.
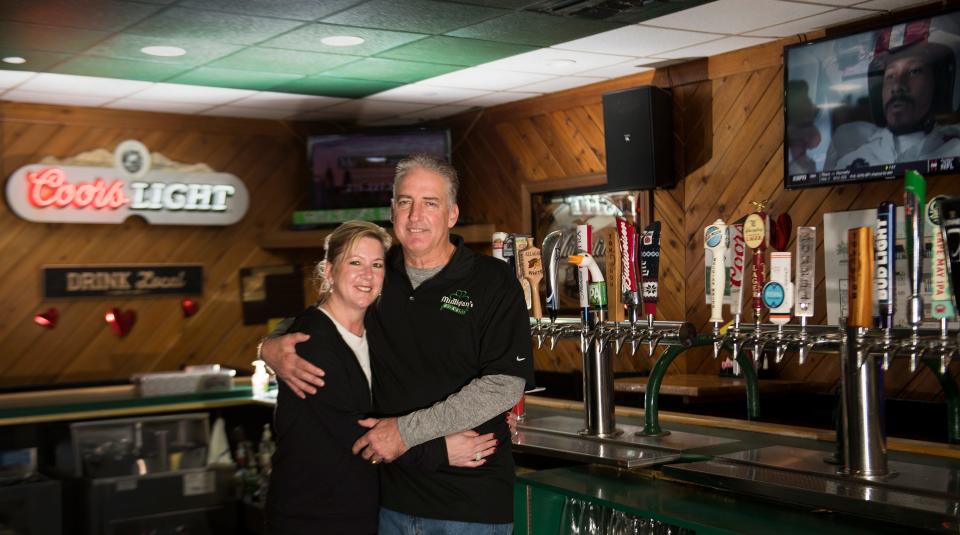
<point>941,300</point>
<point>950,230</point>
<point>884,249</point>
<point>497,245</point>
<point>551,256</point>
<point>532,268</point>
<point>860,280</point>
<point>613,266</point>
<point>735,233</point>
<point>756,233</point>
<point>914,197</point>
<point>715,241</point>
<point>803,306</point>
<point>650,267</point>
<point>584,242</point>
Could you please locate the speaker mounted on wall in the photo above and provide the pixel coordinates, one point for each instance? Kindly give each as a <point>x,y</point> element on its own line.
<point>638,136</point>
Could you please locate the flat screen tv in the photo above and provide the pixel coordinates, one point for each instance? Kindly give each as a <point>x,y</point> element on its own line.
<point>871,105</point>
<point>352,174</point>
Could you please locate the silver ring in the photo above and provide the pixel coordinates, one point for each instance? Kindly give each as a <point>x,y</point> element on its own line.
<point>477,457</point>
<point>374,461</point>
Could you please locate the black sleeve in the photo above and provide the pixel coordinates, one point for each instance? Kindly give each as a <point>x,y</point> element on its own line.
<point>505,344</point>
<point>429,456</point>
<point>336,406</point>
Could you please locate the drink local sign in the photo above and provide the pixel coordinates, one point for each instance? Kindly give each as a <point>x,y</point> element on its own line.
<point>103,188</point>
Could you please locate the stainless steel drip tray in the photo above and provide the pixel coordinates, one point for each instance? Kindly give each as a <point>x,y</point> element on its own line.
<point>590,451</point>
<point>903,476</point>
<point>676,441</point>
<point>844,494</point>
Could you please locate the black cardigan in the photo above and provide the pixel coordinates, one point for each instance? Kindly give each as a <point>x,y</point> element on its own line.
<point>317,484</point>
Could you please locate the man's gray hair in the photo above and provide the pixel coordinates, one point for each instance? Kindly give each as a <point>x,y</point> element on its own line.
<point>430,163</point>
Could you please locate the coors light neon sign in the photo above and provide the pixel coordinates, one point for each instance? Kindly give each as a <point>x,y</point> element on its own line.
<point>165,194</point>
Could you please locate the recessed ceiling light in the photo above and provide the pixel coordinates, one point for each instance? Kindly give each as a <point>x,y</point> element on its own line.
<point>342,40</point>
<point>561,63</point>
<point>163,51</point>
<point>14,60</point>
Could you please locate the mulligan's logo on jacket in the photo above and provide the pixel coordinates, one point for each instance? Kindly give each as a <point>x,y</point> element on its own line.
<point>458,302</point>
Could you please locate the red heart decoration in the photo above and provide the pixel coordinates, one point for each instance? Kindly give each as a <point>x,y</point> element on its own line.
<point>47,318</point>
<point>120,321</point>
<point>780,232</point>
<point>189,307</point>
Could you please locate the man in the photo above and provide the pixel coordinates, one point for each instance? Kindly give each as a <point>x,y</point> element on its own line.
<point>909,86</point>
<point>450,340</point>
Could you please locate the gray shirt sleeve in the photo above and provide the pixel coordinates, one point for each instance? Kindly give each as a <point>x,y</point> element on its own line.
<point>478,401</point>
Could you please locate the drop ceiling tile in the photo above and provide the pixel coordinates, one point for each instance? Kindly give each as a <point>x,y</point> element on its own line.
<point>375,109</point>
<point>487,79</point>
<point>437,112</point>
<point>106,15</point>
<point>66,99</point>
<point>454,51</point>
<point>119,68</point>
<point>390,70</point>
<point>15,35</point>
<point>627,68</point>
<point>156,105</point>
<point>258,81</point>
<point>249,113</point>
<point>12,78</point>
<point>283,61</point>
<point>501,97</point>
<point>421,16</point>
<point>191,93</point>
<point>555,61</point>
<point>713,48</point>
<point>736,16</point>
<point>534,29</point>
<point>127,46</point>
<point>185,23</point>
<point>286,101</point>
<point>308,38</point>
<point>807,24</point>
<point>427,94</point>
<point>36,59</point>
<point>890,5</point>
<point>335,87</point>
<point>306,10</point>
<point>506,4</point>
<point>637,41</point>
<point>559,84</point>
<point>393,121</point>
<point>82,85</point>
<point>321,115</point>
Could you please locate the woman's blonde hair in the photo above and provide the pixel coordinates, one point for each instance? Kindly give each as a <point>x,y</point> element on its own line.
<point>342,240</point>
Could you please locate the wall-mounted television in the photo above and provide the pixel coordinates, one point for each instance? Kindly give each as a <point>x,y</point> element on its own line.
<point>352,174</point>
<point>871,105</point>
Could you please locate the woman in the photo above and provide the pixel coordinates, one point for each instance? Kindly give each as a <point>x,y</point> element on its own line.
<point>317,484</point>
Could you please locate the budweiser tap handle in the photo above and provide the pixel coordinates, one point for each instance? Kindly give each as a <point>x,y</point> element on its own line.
<point>860,277</point>
<point>884,251</point>
<point>914,197</point>
<point>715,240</point>
<point>551,262</point>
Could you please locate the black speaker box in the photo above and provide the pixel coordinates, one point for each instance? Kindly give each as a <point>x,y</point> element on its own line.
<point>638,132</point>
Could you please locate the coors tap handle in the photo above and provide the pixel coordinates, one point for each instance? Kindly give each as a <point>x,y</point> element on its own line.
<point>806,283</point>
<point>716,241</point>
<point>735,232</point>
<point>941,300</point>
<point>914,197</point>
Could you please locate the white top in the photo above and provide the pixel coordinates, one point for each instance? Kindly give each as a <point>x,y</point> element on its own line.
<point>357,343</point>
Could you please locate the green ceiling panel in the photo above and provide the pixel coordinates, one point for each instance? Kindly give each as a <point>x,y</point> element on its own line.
<point>423,16</point>
<point>49,38</point>
<point>308,38</point>
<point>119,68</point>
<point>455,51</point>
<point>306,10</point>
<point>258,81</point>
<point>184,23</point>
<point>36,60</point>
<point>335,87</point>
<point>390,70</point>
<point>279,60</point>
<point>534,29</point>
<point>91,15</point>
<point>127,46</point>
